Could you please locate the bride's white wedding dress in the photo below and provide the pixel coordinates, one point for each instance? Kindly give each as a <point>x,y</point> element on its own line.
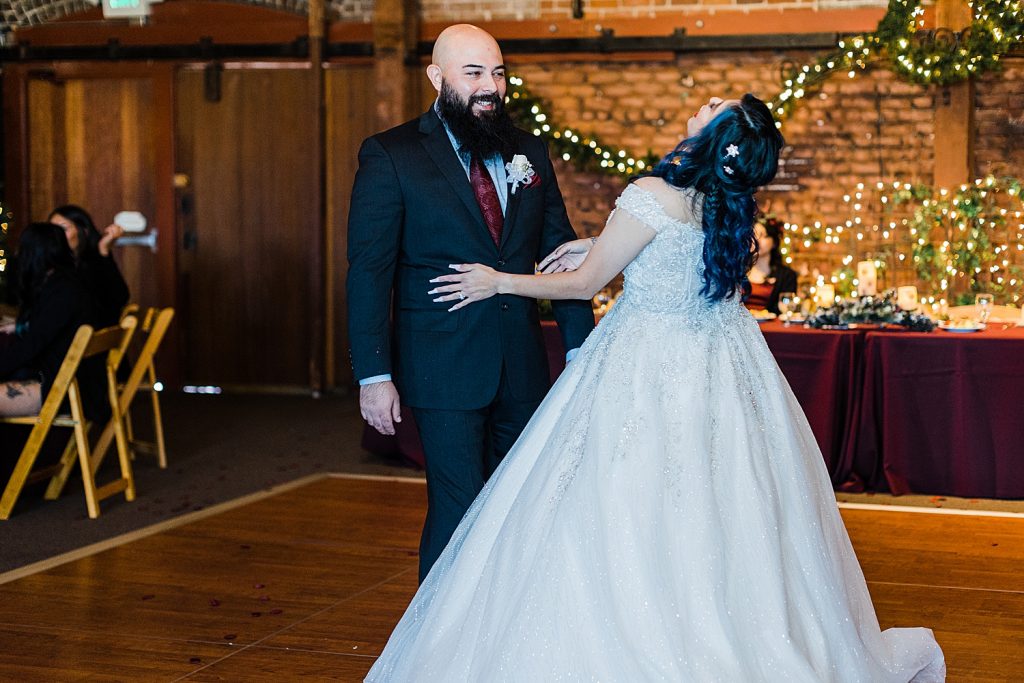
<point>665,516</point>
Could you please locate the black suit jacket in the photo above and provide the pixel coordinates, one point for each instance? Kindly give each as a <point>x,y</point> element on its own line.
<point>412,214</point>
<point>109,290</point>
<point>37,352</point>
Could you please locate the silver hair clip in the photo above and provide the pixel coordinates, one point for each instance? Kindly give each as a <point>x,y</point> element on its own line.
<point>732,151</point>
<point>727,168</point>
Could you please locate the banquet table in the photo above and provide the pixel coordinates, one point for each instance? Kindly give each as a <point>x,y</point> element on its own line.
<point>823,368</point>
<point>940,413</point>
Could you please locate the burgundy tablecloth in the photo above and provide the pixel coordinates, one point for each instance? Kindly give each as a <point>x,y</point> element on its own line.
<point>406,441</point>
<point>823,369</point>
<point>941,413</point>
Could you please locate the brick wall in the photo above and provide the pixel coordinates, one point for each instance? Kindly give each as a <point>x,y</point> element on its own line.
<point>999,122</point>
<point>27,12</point>
<point>487,10</point>
<point>15,13</point>
<point>874,127</point>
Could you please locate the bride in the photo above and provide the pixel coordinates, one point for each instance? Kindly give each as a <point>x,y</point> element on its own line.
<point>666,514</point>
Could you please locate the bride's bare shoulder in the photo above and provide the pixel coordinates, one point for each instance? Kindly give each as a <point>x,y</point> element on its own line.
<point>677,202</point>
<point>654,185</point>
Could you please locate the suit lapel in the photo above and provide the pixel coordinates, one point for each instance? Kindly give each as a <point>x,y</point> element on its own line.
<point>511,209</point>
<point>439,147</point>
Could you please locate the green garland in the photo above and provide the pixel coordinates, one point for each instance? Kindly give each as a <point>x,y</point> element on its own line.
<point>927,57</point>
<point>939,57</point>
<point>872,311</point>
<point>586,152</point>
<point>953,247</point>
<point>959,242</point>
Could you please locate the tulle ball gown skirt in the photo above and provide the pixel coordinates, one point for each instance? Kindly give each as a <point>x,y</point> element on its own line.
<point>665,516</point>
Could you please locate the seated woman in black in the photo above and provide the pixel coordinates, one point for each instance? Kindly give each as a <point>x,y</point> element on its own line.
<point>93,260</point>
<point>770,276</point>
<point>54,303</point>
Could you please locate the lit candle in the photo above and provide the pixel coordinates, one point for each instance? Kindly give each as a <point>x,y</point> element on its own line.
<point>867,278</point>
<point>906,298</point>
<point>825,296</point>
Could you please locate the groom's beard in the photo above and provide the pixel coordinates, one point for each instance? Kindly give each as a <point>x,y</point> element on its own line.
<point>490,133</point>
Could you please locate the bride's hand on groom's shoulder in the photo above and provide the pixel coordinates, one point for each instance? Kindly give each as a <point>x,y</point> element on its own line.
<point>567,257</point>
<point>472,282</point>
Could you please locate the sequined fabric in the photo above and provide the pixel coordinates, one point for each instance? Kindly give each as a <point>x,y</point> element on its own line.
<point>665,516</point>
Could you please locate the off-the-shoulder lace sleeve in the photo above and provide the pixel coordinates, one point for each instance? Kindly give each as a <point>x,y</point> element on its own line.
<point>645,207</point>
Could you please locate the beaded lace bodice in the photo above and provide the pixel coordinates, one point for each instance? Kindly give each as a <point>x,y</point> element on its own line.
<point>667,275</point>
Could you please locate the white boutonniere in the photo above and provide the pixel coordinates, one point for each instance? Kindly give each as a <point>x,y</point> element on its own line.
<point>520,171</point>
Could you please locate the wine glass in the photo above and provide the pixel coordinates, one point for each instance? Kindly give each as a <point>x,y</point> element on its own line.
<point>984,304</point>
<point>806,304</point>
<point>787,302</point>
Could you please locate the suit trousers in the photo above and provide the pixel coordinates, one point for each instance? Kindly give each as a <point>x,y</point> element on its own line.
<point>462,448</point>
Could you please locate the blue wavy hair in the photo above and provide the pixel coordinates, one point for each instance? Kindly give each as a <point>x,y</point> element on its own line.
<point>727,185</point>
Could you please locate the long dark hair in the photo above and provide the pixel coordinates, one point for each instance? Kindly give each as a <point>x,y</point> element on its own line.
<point>42,250</point>
<point>733,155</point>
<point>88,235</point>
<point>773,228</point>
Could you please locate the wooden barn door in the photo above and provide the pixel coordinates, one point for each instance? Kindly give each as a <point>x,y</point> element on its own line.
<point>246,225</point>
<point>350,118</point>
<point>95,142</point>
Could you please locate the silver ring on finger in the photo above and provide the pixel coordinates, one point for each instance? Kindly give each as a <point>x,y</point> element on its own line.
<point>461,296</point>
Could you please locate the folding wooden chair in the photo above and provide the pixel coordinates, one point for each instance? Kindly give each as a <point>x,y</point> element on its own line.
<point>125,394</point>
<point>148,384</point>
<point>86,343</point>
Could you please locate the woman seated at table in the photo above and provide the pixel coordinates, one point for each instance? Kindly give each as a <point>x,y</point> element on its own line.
<point>93,260</point>
<point>770,276</point>
<point>54,303</point>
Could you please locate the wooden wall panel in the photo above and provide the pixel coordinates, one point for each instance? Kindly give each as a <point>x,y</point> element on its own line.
<point>351,117</point>
<point>90,144</point>
<point>47,157</point>
<point>246,279</point>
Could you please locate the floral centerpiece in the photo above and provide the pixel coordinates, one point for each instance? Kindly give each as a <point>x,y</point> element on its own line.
<point>871,310</point>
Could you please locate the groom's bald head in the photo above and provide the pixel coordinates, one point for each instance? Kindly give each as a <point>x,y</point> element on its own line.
<point>463,41</point>
<point>468,60</point>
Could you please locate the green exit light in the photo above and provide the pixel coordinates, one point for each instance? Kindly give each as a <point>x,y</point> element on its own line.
<point>113,9</point>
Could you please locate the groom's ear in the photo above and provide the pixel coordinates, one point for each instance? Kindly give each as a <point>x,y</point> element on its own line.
<point>435,76</point>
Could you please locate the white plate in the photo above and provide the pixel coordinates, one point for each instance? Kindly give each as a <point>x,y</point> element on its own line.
<point>946,328</point>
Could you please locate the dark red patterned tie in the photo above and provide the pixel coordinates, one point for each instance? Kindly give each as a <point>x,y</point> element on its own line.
<point>486,197</point>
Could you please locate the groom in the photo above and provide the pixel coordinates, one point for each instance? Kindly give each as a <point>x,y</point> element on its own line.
<point>460,184</point>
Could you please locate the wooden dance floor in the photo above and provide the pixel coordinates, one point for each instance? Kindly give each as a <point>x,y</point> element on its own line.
<point>306,583</point>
